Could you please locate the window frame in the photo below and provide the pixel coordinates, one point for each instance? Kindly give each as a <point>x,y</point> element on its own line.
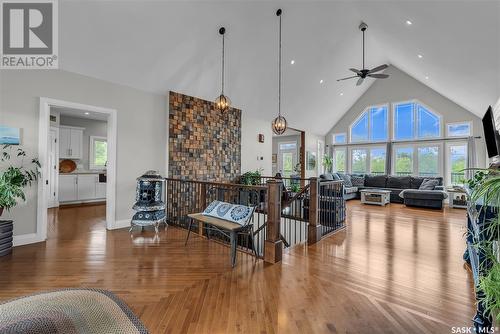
<point>416,121</point>
<point>415,146</point>
<point>92,139</point>
<point>448,135</point>
<point>447,178</point>
<point>368,149</point>
<point>334,155</point>
<point>367,112</point>
<point>339,134</point>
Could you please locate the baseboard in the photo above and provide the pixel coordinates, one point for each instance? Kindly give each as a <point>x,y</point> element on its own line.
<point>25,239</point>
<point>121,224</point>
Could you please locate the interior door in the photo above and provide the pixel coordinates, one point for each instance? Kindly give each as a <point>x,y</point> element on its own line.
<point>54,170</point>
<point>287,158</point>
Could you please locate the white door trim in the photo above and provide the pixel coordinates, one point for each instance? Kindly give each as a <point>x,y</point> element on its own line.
<point>43,133</point>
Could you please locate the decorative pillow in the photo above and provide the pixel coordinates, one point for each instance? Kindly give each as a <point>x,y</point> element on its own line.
<point>326,177</point>
<point>336,177</point>
<point>357,181</point>
<point>239,214</point>
<point>428,184</point>
<point>347,180</point>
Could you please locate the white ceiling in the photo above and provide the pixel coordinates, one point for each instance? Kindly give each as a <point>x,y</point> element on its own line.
<point>159,46</point>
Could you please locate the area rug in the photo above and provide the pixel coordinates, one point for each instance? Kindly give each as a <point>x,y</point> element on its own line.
<point>69,311</point>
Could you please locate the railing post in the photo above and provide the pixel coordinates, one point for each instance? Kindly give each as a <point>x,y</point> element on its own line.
<point>273,247</point>
<point>202,204</point>
<point>314,227</point>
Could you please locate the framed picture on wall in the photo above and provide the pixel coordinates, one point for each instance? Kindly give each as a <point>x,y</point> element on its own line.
<point>275,158</point>
<point>9,135</point>
<point>310,160</point>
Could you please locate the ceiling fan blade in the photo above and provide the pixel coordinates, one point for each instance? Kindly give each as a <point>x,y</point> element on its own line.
<point>355,71</point>
<point>360,81</point>
<point>379,76</point>
<point>378,68</point>
<point>354,76</point>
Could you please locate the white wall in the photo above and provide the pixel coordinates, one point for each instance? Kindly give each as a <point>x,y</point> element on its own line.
<point>251,149</point>
<point>402,87</point>
<point>312,145</point>
<point>141,119</point>
<point>92,128</point>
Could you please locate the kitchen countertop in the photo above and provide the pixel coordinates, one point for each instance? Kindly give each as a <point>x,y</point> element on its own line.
<point>84,172</point>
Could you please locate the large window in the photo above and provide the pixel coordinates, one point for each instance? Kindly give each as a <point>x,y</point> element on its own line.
<point>98,152</point>
<point>359,159</point>
<point>413,121</point>
<point>462,129</point>
<point>339,138</point>
<point>368,160</point>
<point>457,163</point>
<point>422,160</point>
<point>371,125</point>
<point>340,160</point>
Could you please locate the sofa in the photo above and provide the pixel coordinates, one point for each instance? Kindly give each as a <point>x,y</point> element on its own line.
<point>404,189</point>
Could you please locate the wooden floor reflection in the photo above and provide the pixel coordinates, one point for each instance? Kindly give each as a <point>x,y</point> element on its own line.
<point>393,270</point>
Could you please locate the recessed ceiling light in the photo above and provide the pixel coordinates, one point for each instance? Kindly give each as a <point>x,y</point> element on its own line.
<point>409,23</point>
<point>87,113</point>
<point>420,56</point>
<point>426,77</point>
<point>321,81</point>
<point>292,61</point>
<point>341,94</point>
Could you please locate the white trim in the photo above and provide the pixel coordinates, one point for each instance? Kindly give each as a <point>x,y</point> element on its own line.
<point>447,157</point>
<point>55,203</point>
<point>447,131</point>
<point>415,146</point>
<point>121,224</point>
<point>334,157</point>
<point>43,128</point>
<point>91,152</point>
<point>25,239</point>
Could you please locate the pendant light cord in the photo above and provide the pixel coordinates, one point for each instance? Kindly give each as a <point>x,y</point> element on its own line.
<point>363,50</point>
<point>222,64</point>
<point>279,66</point>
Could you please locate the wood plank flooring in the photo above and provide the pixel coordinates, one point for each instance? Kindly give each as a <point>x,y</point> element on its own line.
<point>393,270</point>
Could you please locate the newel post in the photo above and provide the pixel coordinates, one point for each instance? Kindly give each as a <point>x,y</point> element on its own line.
<point>202,204</point>
<point>314,227</point>
<point>273,247</point>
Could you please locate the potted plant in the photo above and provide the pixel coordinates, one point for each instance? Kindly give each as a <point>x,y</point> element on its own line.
<point>252,178</point>
<point>486,187</point>
<point>15,176</point>
<point>328,163</point>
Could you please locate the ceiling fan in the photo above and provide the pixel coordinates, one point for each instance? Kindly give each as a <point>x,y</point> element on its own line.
<point>363,73</point>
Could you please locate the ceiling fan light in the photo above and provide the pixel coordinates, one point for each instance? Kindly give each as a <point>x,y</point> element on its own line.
<point>279,125</point>
<point>223,103</point>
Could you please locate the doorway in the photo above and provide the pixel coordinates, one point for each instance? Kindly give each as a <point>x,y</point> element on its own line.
<point>50,153</point>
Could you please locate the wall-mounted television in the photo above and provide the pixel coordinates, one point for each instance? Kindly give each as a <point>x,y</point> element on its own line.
<point>491,134</point>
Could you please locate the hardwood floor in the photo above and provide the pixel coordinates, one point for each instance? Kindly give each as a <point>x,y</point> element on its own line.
<point>393,270</point>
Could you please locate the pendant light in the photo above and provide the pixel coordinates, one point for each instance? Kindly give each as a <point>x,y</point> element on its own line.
<point>222,102</point>
<point>279,124</point>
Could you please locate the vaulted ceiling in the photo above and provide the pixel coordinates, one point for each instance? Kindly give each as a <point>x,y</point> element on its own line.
<point>159,46</point>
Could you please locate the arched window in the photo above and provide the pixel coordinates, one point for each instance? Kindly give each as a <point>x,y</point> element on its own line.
<point>413,120</point>
<point>370,126</point>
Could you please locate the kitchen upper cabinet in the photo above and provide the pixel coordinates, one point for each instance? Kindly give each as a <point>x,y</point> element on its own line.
<point>68,188</point>
<point>86,187</point>
<point>70,142</point>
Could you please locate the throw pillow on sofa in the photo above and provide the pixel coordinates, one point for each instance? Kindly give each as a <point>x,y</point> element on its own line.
<point>357,181</point>
<point>347,180</point>
<point>428,184</point>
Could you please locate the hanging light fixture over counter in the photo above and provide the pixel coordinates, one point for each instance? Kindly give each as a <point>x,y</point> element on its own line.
<point>279,124</point>
<point>222,102</point>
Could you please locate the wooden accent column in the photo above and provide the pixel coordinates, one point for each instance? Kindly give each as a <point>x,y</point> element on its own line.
<point>273,247</point>
<point>202,204</point>
<point>314,227</point>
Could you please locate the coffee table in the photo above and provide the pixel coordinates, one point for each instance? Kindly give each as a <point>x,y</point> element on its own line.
<point>375,196</point>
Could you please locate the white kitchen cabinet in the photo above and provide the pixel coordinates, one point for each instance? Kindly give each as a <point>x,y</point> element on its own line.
<point>68,188</point>
<point>70,142</point>
<point>100,191</point>
<point>86,187</point>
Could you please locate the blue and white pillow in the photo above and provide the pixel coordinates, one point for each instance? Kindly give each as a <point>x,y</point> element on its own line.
<point>239,214</point>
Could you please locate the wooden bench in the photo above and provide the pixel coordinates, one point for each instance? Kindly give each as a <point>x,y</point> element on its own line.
<point>225,227</point>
